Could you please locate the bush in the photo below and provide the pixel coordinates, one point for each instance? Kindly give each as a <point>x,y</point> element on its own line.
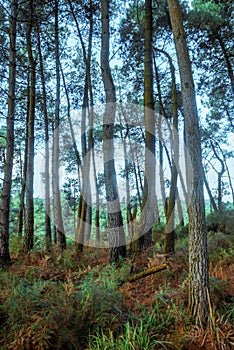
<point>221,220</point>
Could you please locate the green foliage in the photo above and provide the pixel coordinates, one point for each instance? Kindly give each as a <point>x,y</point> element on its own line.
<point>143,332</point>
<point>99,296</point>
<point>208,12</point>
<point>39,314</point>
<point>224,218</point>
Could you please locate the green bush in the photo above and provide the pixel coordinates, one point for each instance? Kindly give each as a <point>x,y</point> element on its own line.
<point>223,219</point>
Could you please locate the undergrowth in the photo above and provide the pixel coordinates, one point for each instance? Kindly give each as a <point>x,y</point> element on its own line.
<point>58,300</point>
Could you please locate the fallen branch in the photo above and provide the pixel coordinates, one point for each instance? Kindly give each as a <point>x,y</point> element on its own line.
<point>146,273</point>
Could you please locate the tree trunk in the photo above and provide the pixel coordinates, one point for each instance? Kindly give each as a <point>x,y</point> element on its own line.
<point>29,205</point>
<point>20,222</point>
<point>85,221</point>
<point>48,235</point>
<point>170,215</point>
<point>58,219</point>
<point>212,201</point>
<point>115,220</point>
<point>227,59</point>
<point>149,194</point>
<point>198,256</point>
<point>220,174</point>
<point>7,181</point>
<point>180,210</point>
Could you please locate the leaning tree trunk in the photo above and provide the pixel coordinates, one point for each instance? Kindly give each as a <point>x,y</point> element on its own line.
<point>29,205</point>
<point>198,256</point>
<point>115,220</point>
<point>7,181</point>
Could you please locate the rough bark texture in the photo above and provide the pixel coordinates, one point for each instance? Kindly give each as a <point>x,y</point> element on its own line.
<point>7,181</point>
<point>198,257</point>
<point>29,205</point>
<point>115,220</point>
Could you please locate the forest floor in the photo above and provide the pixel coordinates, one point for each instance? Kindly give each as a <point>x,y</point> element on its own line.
<point>154,307</point>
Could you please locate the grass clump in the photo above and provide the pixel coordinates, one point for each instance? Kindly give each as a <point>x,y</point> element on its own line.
<point>146,331</point>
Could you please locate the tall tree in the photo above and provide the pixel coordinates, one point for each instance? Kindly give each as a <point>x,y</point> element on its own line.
<point>170,214</point>
<point>48,235</point>
<point>198,256</point>
<point>6,190</point>
<point>58,219</point>
<point>149,194</point>
<point>115,220</point>
<point>29,205</point>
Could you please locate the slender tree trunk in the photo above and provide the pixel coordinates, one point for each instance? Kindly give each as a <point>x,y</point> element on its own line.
<point>180,210</point>
<point>162,113</point>
<point>21,213</point>
<point>29,205</point>
<point>48,234</point>
<point>128,197</point>
<point>7,181</point>
<point>85,221</point>
<point>97,213</point>
<point>149,194</point>
<point>115,220</point>
<point>58,219</point>
<point>170,215</point>
<point>220,174</point>
<point>212,201</point>
<point>227,59</point>
<point>198,255</point>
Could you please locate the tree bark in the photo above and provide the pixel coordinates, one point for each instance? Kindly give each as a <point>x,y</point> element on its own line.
<point>20,222</point>
<point>58,219</point>
<point>7,181</point>
<point>149,194</point>
<point>146,273</point>
<point>198,255</point>
<point>170,215</point>
<point>29,205</point>
<point>48,234</point>
<point>115,220</point>
<point>220,174</point>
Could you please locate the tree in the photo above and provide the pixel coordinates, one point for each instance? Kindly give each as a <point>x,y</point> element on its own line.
<point>7,182</point>
<point>48,235</point>
<point>198,256</point>
<point>149,195</point>
<point>115,220</point>
<point>58,219</point>
<point>29,205</point>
